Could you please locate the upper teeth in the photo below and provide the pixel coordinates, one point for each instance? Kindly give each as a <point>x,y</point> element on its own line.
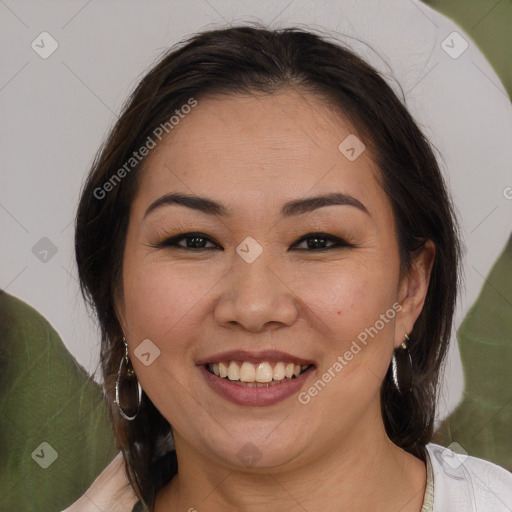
<point>261,372</point>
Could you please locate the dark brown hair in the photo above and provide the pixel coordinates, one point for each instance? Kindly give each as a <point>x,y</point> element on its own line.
<point>248,60</point>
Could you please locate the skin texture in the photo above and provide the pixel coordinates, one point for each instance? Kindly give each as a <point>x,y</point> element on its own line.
<point>254,153</point>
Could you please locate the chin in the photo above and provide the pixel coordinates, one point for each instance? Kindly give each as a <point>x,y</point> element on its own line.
<point>251,450</point>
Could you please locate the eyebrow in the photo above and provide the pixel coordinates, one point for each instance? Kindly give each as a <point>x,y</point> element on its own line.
<point>295,207</point>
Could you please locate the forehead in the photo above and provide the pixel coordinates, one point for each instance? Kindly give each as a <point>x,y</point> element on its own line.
<point>263,148</point>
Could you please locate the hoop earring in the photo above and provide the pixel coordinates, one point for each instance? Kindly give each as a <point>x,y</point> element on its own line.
<point>126,389</point>
<point>401,368</point>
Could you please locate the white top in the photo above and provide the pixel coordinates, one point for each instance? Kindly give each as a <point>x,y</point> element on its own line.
<point>462,483</point>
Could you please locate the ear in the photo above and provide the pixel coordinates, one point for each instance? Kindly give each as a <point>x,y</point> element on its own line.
<point>413,290</point>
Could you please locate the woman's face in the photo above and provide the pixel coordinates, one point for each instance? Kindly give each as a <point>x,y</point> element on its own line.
<point>248,293</point>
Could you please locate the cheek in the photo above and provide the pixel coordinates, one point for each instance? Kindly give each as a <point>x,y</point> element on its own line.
<point>161,297</point>
<point>347,299</point>
<point>162,305</point>
<point>353,310</point>
<point>169,301</point>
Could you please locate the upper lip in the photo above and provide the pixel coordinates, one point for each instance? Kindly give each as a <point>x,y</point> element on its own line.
<point>254,357</point>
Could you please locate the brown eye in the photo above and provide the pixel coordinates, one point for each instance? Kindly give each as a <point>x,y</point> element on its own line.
<point>192,241</point>
<point>318,241</point>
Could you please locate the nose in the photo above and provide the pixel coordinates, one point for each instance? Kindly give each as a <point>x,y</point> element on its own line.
<point>256,296</point>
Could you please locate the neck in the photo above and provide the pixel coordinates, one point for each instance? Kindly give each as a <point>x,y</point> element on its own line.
<point>363,471</point>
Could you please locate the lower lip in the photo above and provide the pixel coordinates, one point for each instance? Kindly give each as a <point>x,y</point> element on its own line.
<point>254,396</point>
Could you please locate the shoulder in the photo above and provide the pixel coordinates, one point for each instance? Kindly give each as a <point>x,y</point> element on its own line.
<point>110,491</point>
<point>466,481</point>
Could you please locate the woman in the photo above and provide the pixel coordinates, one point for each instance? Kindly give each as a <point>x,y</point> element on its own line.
<point>272,254</point>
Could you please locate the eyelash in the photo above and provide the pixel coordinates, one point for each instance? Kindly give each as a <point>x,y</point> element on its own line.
<point>173,242</point>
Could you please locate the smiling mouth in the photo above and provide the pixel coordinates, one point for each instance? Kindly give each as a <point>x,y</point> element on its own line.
<point>264,374</point>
